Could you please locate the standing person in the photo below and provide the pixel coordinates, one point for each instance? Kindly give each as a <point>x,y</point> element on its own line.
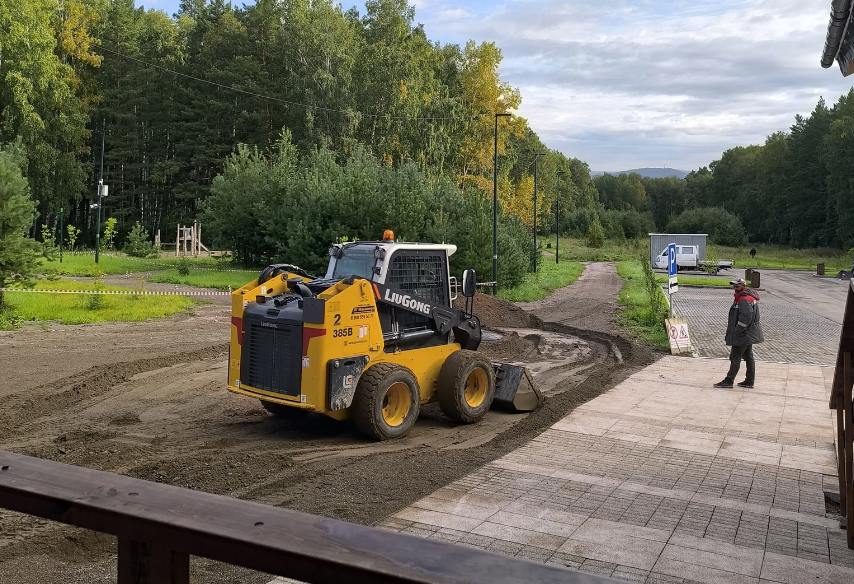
<point>742,332</point>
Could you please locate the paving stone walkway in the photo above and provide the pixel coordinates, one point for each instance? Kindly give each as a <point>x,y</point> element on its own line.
<point>793,333</point>
<point>664,479</point>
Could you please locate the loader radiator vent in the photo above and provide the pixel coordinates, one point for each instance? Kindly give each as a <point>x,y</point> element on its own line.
<point>272,355</point>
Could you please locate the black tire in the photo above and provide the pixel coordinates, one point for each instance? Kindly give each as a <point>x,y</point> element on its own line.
<point>459,371</point>
<point>387,401</point>
<point>282,411</point>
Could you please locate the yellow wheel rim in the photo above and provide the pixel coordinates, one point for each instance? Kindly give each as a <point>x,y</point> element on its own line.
<point>476,387</point>
<point>396,404</point>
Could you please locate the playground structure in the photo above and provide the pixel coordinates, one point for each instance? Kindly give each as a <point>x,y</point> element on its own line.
<point>190,237</point>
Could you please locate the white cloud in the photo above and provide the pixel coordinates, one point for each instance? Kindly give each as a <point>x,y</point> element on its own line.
<point>651,82</point>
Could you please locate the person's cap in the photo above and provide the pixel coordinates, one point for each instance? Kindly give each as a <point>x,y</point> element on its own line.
<point>738,281</point>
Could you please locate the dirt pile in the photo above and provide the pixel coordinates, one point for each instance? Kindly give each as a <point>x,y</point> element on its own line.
<point>496,313</point>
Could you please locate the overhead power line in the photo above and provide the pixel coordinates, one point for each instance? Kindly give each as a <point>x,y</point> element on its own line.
<point>287,102</point>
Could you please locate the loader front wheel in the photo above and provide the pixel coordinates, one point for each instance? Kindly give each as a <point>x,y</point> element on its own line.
<point>466,386</point>
<point>387,401</point>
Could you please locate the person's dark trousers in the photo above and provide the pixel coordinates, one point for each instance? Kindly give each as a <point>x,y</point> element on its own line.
<point>736,354</point>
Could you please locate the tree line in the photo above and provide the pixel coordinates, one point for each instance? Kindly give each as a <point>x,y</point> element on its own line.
<point>173,97</point>
<point>796,189</point>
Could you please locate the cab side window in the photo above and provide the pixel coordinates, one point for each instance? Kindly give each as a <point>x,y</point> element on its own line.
<point>420,273</point>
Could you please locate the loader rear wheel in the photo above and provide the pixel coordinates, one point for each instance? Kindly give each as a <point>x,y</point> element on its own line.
<point>387,401</point>
<point>466,386</point>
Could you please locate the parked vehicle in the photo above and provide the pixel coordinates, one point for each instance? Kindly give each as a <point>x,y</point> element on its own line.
<point>688,258</point>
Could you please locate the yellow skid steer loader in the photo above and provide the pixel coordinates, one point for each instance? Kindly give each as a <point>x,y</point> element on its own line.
<point>372,341</point>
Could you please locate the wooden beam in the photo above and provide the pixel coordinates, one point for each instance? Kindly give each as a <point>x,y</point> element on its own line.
<point>842,473</point>
<point>151,563</point>
<point>848,384</point>
<point>846,343</point>
<point>269,539</point>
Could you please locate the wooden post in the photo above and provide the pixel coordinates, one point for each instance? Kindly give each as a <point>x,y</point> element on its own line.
<point>150,563</point>
<point>178,241</point>
<point>840,459</point>
<point>847,386</point>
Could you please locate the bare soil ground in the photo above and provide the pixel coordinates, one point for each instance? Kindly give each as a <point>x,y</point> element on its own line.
<point>589,304</point>
<point>148,400</point>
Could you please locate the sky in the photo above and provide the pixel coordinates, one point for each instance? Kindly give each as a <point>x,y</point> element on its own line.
<point>626,84</point>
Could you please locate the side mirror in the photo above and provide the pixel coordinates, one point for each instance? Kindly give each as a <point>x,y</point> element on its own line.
<point>469,283</point>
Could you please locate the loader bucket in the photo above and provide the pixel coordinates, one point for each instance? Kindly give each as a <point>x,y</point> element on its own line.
<point>514,389</point>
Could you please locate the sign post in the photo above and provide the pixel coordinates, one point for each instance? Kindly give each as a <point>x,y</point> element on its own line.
<point>672,268</point>
<point>677,328</point>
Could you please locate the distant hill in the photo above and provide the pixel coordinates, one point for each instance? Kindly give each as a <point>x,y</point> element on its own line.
<point>647,172</point>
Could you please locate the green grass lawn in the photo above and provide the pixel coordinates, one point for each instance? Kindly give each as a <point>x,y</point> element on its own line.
<point>205,279</point>
<point>635,310</point>
<point>86,308</point>
<point>83,264</point>
<point>572,248</point>
<point>767,256</point>
<point>549,278</point>
<point>778,257</point>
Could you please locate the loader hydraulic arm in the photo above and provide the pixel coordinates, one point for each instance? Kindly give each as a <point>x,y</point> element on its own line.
<point>444,319</point>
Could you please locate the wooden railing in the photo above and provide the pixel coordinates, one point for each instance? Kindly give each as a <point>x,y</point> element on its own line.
<point>841,401</point>
<point>160,526</point>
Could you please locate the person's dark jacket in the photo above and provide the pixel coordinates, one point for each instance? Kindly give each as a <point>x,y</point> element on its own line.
<point>744,327</point>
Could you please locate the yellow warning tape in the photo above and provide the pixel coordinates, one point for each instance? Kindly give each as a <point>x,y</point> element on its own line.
<point>116,292</point>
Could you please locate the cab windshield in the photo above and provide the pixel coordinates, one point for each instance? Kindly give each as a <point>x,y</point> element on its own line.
<point>357,260</point>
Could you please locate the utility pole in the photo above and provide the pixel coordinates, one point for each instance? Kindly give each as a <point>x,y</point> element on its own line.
<point>102,192</point>
<point>534,257</point>
<point>560,174</point>
<point>61,229</point>
<point>495,202</point>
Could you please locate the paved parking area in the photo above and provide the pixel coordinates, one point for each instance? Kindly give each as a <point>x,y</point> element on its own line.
<point>801,317</point>
<point>664,479</point>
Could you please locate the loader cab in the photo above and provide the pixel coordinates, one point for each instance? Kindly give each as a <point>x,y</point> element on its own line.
<point>417,269</point>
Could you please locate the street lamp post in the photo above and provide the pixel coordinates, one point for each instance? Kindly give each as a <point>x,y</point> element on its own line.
<point>102,192</point>
<point>560,174</point>
<point>495,202</point>
<point>534,258</point>
<point>61,229</point>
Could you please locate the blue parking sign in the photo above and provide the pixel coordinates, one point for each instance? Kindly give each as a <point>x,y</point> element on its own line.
<point>672,268</point>
<point>671,257</point>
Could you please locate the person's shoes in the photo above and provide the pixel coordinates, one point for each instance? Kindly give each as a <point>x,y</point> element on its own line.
<point>746,384</point>
<point>724,383</point>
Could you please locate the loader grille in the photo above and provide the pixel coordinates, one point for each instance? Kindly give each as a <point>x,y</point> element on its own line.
<point>272,355</point>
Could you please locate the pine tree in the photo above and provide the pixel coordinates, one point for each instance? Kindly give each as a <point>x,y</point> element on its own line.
<point>18,253</point>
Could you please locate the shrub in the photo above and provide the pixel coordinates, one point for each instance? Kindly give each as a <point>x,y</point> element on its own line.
<point>288,207</point>
<point>110,230</point>
<point>183,266</point>
<point>578,221</point>
<point>73,233</point>
<point>595,234</point>
<point>657,307</point>
<point>723,227</point>
<point>48,242</point>
<point>137,243</point>
<point>629,224</point>
<point>95,301</point>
